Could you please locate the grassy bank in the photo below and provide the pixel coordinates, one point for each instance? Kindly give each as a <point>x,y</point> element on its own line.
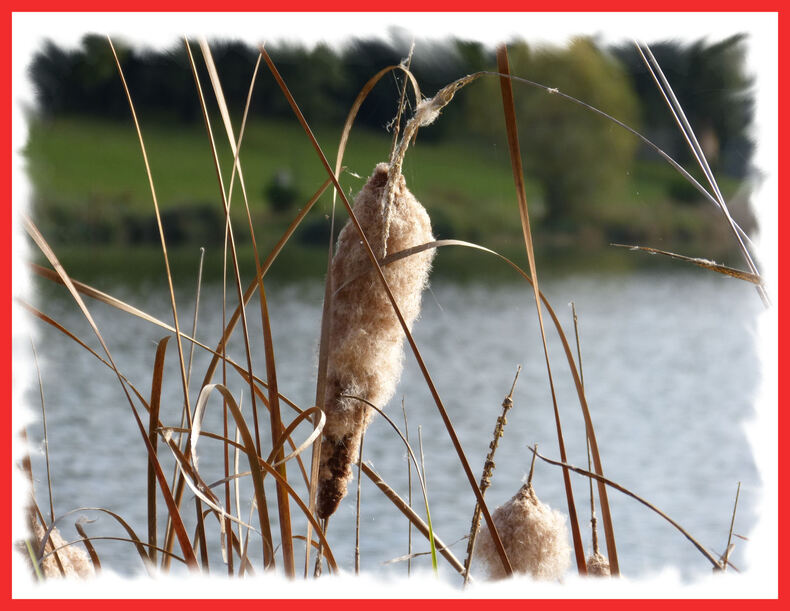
<point>90,189</point>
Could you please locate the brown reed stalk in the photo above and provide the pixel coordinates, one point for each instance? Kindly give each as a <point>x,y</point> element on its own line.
<point>47,251</point>
<point>488,470</point>
<point>508,104</point>
<point>603,480</point>
<point>153,422</point>
<point>732,526</point>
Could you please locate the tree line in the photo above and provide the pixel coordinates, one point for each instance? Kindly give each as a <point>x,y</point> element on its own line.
<point>710,80</point>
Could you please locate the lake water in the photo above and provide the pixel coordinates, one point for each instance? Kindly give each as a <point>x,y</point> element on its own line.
<point>670,369</point>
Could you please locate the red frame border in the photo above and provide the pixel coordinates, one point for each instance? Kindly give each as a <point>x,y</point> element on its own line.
<point>406,6</point>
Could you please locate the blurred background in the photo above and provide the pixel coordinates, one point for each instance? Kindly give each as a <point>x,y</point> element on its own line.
<point>670,361</point>
<point>589,182</point>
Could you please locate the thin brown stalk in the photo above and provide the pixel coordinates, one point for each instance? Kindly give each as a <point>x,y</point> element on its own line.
<point>153,423</point>
<point>406,63</point>
<point>644,502</point>
<point>159,225</point>
<point>408,471</point>
<point>183,538</point>
<point>407,332</point>
<point>416,520</point>
<point>704,263</point>
<point>46,436</point>
<point>518,175</point>
<point>86,541</point>
<point>263,511</point>
<point>593,519</point>
<point>732,525</point>
<point>271,370</point>
<point>488,469</point>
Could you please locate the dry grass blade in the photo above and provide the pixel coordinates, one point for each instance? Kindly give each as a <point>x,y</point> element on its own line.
<point>89,547</point>
<point>704,263</point>
<point>420,472</point>
<point>251,451</point>
<point>602,493</point>
<point>265,266</point>
<point>415,519</point>
<point>359,505</point>
<point>271,371</point>
<point>159,225</point>
<point>415,350</point>
<point>172,508</point>
<point>46,435</point>
<point>153,423</point>
<point>518,175</point>
<point>139,545</point>
<point>320,420</point>
<point>732,526</point>
<point>627,492</point>
<point>691,139</point>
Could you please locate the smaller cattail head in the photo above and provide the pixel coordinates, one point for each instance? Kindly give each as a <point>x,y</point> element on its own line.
<point>534,536</point>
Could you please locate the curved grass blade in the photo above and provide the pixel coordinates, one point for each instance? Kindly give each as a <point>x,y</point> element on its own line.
<point>159,225</point>
<point>139,545</point>
<point>602,492</point>
<point>250,450</point>
<point>172,508</point>
<point>644,502</point>
<point>86,541</point>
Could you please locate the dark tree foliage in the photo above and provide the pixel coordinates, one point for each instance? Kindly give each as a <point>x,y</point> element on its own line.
<point>712,86</point>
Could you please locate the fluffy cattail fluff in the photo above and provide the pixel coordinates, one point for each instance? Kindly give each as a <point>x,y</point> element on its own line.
<point>365,342</point>
<point>534,536</point>
<point>75,560</point>
<point>598,565</point>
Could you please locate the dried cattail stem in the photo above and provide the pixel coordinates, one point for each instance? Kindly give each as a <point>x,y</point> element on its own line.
<point>488,470</point>
<point>534,535</point>
<point>365,338</point>
<point>426,113</point>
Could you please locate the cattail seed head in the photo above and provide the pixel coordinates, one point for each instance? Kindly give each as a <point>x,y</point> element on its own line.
<point>365,339</point>
<point>74,560</point>
<point>534,536</point>
<point>598,565</point>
